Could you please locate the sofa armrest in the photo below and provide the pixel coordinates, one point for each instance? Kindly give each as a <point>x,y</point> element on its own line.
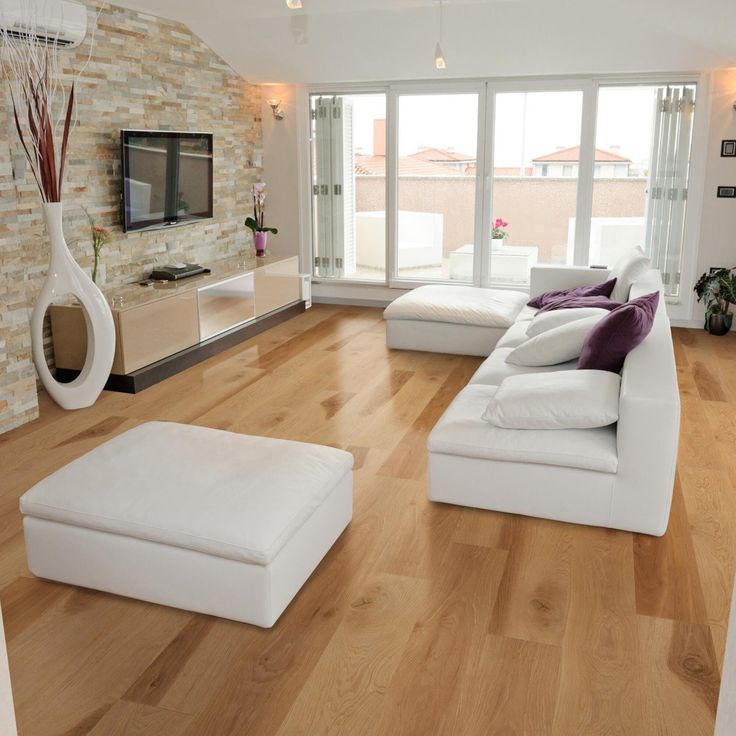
<point>553,278</point>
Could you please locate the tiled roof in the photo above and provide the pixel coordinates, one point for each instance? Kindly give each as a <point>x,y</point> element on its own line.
<point>441,154</point>
<point>572,155</point>
<point>408,166</point>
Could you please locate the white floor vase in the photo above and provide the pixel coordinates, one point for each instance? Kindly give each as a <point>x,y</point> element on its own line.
<point>66,277</point>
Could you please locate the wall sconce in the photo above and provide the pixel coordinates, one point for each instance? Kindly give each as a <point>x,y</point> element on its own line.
<point>275,106</point>
<point>294,4</point>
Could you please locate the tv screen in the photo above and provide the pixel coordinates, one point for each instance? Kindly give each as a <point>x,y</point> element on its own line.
<point>167,178</point>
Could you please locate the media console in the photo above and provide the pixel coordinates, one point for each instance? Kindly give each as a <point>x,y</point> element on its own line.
<point>166,327</point>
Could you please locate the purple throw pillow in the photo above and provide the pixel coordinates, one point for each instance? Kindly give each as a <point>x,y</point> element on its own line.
<point>603,289</point>
<point>575,302</point>
<point>618,333</point>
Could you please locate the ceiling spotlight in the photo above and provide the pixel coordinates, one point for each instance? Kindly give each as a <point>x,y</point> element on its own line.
<point>294,4</point>
<point>439,57</point>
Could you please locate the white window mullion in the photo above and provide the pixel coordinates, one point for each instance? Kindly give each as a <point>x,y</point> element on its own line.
<point>481,249</point>
<point>651,212</point>
<point>323,243</point>
<point>586,174</point>
<point>336,188</point>
<point>678,192</point>
<point>392,195</point>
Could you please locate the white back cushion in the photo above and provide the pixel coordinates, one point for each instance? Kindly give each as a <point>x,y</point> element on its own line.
<point>557,345</point>
<point>559,400</point>
<point>558,317</point>
<point>631,267</point>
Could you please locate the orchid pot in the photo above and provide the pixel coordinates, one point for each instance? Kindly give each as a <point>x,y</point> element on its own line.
<point>256,223</point>
<point>260,238</point>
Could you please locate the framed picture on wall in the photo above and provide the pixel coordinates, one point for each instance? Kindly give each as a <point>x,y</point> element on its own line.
<point>728,149</point>
<point>729,192</point>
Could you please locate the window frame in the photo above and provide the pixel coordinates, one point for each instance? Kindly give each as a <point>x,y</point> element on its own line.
<point>487,88</point>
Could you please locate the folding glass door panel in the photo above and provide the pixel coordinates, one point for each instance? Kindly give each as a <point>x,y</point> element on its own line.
<point>643,138</point>
<point>437,170</point>
<point>536,164</point>
<point>349,186</point>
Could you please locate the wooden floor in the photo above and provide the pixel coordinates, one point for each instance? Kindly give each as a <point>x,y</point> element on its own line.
<point>424,618</point>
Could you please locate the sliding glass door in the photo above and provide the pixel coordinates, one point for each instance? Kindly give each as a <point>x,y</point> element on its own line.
<point>536,165</point>
<point>476,183</point>
<point>643,141</point>
<point>437,170</point>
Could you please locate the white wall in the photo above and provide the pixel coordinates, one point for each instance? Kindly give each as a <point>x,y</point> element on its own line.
<point>281,168</point>
<point>717,242</point>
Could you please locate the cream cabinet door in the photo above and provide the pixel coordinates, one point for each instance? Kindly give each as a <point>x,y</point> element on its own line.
<point>277,285</point>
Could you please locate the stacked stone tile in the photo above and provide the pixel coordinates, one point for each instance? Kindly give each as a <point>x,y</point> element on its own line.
<point>144,73</point>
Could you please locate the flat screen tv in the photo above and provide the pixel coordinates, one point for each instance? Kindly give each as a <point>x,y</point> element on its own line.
<point>167,178</point>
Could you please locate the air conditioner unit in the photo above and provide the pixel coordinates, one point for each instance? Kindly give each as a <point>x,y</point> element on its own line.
<point>53,22</point>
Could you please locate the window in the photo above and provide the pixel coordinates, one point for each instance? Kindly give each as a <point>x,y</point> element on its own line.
<point>408,182</point>
<point>437,169</point>
<point>540,210</point>
<point>643,138</point>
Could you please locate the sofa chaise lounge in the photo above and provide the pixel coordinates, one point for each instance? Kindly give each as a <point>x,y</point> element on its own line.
<point>619,476</point>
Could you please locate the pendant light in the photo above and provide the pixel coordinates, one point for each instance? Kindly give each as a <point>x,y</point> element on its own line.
<point>439,57</point>
<point>294,4</point>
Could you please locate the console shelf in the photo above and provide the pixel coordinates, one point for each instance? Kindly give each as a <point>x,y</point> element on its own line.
<point>167,327</point>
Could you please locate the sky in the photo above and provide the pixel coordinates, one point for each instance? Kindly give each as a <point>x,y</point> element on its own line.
<point>553,121</point>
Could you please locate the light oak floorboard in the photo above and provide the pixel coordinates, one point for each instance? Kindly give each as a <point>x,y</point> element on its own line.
<point>423,618</point>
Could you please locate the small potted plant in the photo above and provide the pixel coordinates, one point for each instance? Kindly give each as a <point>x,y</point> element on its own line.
<point>718,290</point>
<point>257,222</point>
<point>499,233</point>
<point>101,236</point>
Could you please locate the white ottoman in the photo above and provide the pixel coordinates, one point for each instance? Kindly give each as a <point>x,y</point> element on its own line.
<point>462,320</point>
<point>191,517</point>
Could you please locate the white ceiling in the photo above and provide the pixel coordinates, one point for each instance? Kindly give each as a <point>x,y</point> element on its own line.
<point>369,40</point>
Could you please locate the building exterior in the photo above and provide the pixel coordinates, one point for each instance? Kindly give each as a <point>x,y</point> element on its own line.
<point>566,163</point>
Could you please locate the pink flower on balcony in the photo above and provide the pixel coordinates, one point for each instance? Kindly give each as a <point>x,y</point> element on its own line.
<point>498,232</point>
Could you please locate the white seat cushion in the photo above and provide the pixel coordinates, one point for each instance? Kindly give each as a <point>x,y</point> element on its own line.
<point>462,431</point>
<point>225,494</point>
<point>495,368</point>
<point>465,305</point>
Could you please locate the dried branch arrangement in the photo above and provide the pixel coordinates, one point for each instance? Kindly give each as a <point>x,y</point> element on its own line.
<point>42,96</point>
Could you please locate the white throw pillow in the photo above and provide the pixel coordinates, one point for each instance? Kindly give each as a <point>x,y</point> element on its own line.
<point>630,267</point>
<point>560,400</point>
<point>557,345</point>
<point>558,317</point>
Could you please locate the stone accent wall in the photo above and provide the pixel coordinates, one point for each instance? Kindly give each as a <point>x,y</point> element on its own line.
<point>144,73</point>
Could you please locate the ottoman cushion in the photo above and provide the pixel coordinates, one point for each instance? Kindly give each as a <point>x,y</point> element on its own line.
<point>463,305</point>
<point>216,492</point>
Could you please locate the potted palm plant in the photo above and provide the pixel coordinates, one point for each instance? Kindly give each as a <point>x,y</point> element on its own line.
<point>718,290</point>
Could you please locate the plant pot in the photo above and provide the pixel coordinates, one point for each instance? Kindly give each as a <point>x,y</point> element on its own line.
<point>720,324</point>
<point>497,243</point>
<point>66,277</point>
<point>260,239</point>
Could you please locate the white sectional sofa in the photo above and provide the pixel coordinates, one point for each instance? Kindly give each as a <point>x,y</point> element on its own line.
<point>620,476</point>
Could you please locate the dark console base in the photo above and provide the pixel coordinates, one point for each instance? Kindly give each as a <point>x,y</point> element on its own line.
<point>149,375</point>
